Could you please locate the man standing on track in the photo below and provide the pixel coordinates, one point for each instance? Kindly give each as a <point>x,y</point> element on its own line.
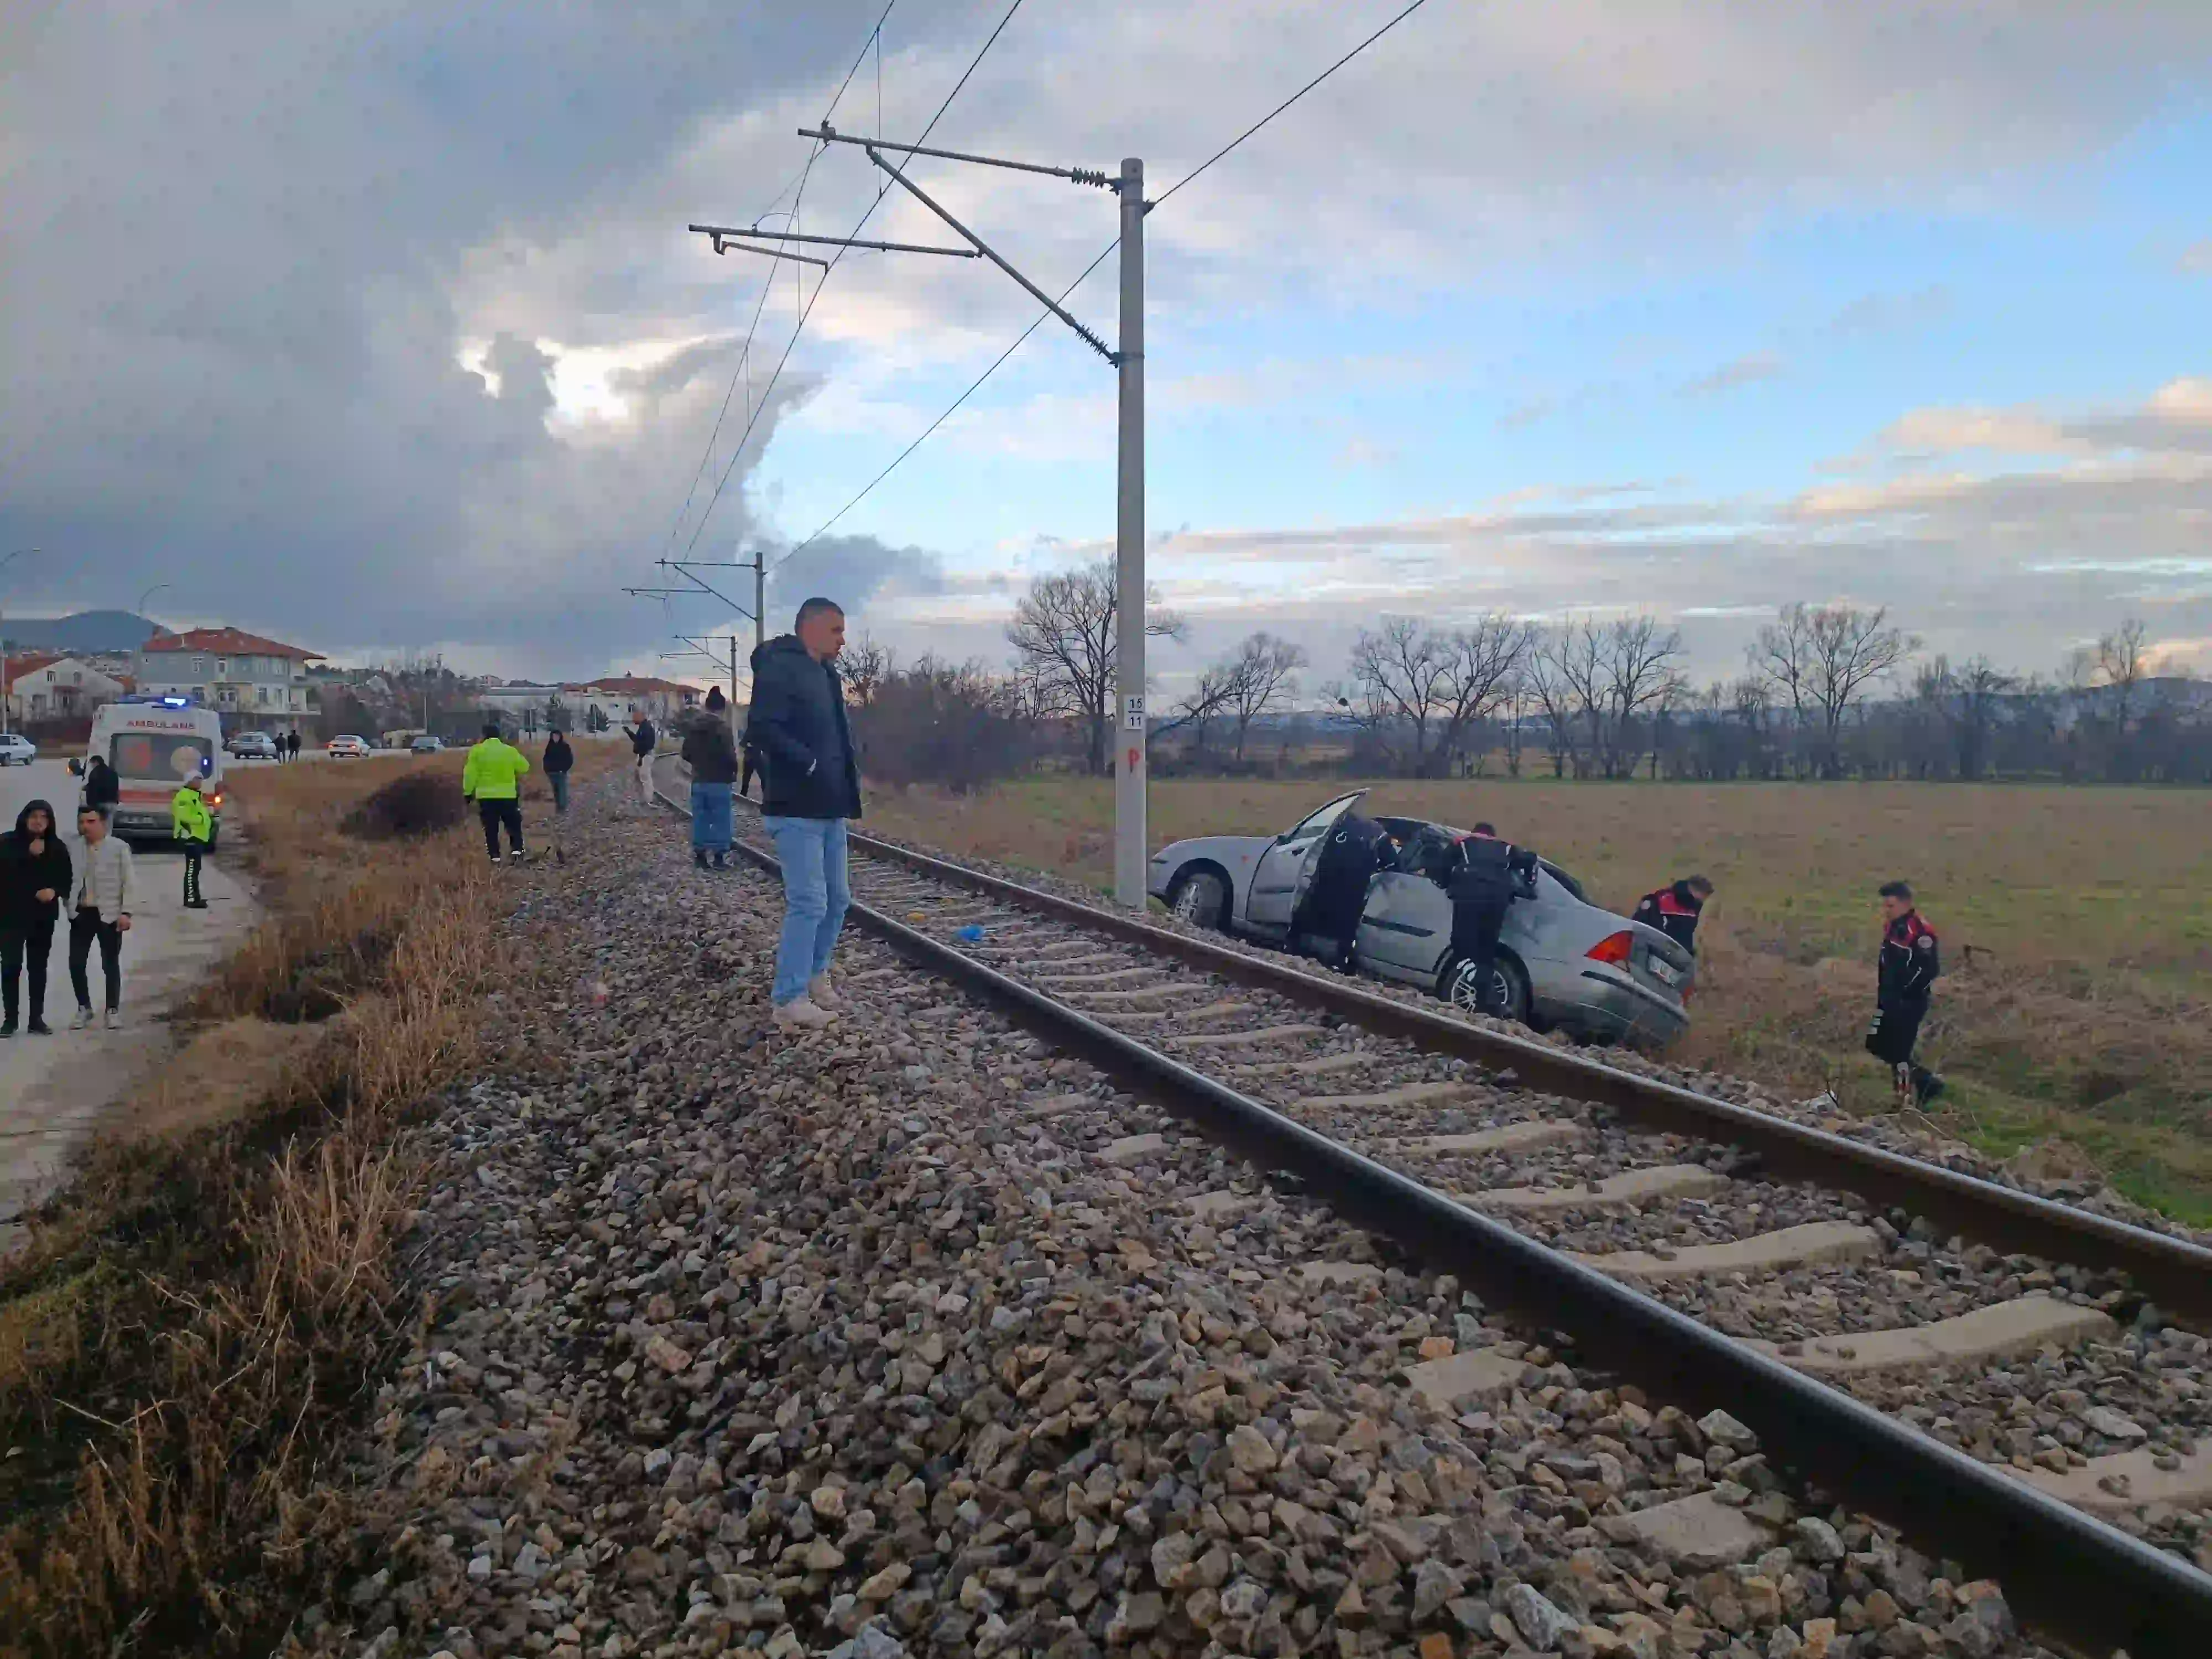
<point>1673,910</point>
<point>1910,963</point>
<point>559,760</point>
<point>1489,875</point>
<point>193,826</point>
<point>710,749</point>
<point>492,778</point>
<point>810,785</point>
<point>643,740</point>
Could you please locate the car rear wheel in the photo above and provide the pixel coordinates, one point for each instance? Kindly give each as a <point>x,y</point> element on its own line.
<point>1509,996</point>
<point>1199,898</point>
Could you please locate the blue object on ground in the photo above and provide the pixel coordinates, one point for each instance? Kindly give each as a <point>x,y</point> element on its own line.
<point>971,932</point>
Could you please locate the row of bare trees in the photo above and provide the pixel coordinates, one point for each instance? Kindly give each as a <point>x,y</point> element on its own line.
<point>1827,691</point>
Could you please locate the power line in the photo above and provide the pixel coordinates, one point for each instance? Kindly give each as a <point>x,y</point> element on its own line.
<point>1020,340</point>
<point>1292,98</point>
<point>821,281</point>
<point>744,354</point>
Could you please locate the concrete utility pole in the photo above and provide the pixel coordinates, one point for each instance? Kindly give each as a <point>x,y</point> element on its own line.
<point>1130,851</point>
<point>1130,848</point>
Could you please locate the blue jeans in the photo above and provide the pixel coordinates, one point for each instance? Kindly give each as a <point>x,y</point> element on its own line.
<point>559,782</point>
<point>710,816</point>
<point>815,898</point>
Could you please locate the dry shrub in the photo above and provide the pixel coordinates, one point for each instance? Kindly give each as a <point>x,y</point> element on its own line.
<point>189,1325</point>
<point>413,805</point>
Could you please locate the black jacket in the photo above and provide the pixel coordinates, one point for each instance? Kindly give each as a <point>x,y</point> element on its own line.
<point>643,739</point>
<point>23,873</point>
<point>797,724</point>
<point>710,749</point>
<point>1910,963</point>
<point>559,757</point>
<point>1491,871</point>
<point>1673,911</point>
<point>101,787</point>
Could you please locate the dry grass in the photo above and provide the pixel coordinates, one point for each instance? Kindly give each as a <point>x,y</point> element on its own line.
<point>190,1321</point>
<point>2077,925</point>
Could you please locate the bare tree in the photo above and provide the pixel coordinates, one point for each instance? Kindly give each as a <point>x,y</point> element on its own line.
<point>1264,669</point>
<point>864,668</point>
<point>2121,666</point>
<point>1980,691</point>
<point>1641,681</point>
<point>1476,665</point>
<point>1063,636</point>
<point>1208,700</point>
<point>1824,659</point>
<point>1398,678</point>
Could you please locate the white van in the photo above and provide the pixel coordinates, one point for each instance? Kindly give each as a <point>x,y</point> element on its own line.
<point>154,744</point>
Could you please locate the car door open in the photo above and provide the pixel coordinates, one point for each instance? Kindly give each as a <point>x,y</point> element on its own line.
<point>1284,868</point>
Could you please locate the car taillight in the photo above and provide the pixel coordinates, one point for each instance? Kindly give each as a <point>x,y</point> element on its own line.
<point>1613,948</point>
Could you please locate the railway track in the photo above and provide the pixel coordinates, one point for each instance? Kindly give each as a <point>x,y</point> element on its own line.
<point>1987,1368</point>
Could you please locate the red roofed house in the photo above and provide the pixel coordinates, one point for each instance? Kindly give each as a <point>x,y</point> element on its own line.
<point>255,684</point>
<point>662,700</point>
<point>44,685</point>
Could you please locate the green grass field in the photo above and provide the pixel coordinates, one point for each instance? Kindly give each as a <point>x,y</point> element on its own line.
<point>2077,924</point>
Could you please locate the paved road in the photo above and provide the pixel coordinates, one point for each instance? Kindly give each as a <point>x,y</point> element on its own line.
<point>54,1090</point>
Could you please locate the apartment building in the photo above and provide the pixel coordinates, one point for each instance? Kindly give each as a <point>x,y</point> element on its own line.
<point>255,685</point>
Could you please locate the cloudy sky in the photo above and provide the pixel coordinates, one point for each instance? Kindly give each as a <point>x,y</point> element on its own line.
<point>377,327</point>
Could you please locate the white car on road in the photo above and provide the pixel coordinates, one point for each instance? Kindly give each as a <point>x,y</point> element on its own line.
<point>16,750</point>
<point>347,747</point>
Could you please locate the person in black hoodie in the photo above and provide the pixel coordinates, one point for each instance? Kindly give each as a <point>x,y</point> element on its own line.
<point>559,761</point>
<point>710,749</point>
<point>34,874</point>
<point>810,785</point>
<point>102,788</point>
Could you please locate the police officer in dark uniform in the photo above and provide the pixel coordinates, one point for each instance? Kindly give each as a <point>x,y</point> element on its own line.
<point>1489,875</point>
<point>1336,894</point>
<point>1673,910</point>
<point>1910,962</point>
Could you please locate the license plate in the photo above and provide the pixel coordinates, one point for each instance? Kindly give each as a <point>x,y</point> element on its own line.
<point>1663,972</point>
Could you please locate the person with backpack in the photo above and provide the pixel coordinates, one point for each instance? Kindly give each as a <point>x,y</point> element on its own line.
<point>35,877</point>
<point>492,778</point>
<point>710,749</point>
<point>810,786</point>
<point>193,826</point>
<point>643,741</point>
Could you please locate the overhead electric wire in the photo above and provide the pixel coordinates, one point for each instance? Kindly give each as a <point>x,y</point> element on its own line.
<point>974,385</point>
<point>758,409</point>
<point>744,354</point>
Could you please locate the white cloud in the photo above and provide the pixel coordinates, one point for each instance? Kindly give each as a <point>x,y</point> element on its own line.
<point>1747,370</point>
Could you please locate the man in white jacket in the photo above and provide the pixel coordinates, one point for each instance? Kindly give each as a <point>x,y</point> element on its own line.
<point>99,912</point>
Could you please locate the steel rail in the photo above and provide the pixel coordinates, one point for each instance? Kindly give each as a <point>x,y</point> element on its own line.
<point>2085,1581</point>
<point>2173,1273</point>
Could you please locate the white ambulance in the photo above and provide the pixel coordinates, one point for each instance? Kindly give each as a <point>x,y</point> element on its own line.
<point>154,744</point>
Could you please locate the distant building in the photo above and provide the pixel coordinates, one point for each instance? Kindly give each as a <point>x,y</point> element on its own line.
<point>44,687</point>
<point>254,684</point>
<point>618,694</point>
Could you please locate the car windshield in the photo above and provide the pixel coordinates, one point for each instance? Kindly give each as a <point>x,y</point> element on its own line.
<point>161,756</point>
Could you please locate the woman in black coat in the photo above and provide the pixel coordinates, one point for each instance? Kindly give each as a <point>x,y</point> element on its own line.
<point>34,874</point>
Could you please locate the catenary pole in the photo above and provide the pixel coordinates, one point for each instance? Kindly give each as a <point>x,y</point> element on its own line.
<point>1130,759</point>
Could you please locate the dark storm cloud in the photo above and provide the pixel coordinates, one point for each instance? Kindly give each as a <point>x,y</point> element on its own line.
<point>234,235</point>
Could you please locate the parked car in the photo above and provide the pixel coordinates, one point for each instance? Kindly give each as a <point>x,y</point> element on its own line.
<point>1563,962</point>
<point>427,744</point>
<point>251,745</point>
<point>346,746</point>
<point>16,750</point>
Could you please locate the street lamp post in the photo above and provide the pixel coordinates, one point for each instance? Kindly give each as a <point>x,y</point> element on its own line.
<point>4,563</point>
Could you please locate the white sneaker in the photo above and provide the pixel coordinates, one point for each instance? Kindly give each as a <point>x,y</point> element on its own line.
<point>80,1019</point>
<point>801,1011</point>
<point>114,1020</point>
<point>820,992</point>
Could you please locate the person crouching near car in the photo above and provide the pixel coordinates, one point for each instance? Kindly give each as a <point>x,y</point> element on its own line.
<point>99,913</point>
<point>34,875</point>
<point>710,749</point>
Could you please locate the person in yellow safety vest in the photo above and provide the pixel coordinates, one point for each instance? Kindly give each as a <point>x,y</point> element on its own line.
<point>492,778</point>
<point>193,827</point>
